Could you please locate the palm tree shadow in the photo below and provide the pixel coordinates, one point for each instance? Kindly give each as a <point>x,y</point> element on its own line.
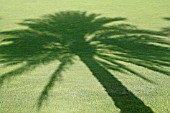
<point>100,42</point>
<point>166,29</point>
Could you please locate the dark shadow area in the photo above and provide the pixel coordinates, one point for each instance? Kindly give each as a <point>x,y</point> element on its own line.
<point>166,29</point>
<point>101,43</point>
<point>124,99</point>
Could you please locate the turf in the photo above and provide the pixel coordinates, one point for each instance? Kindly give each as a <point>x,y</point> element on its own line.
<point>79,91</point>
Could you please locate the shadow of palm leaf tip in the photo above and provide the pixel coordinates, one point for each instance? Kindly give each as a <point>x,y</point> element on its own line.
<point>166,29</point>
<point>102,44</point>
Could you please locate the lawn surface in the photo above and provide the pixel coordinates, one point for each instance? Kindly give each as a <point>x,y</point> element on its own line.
<point>79,91</point>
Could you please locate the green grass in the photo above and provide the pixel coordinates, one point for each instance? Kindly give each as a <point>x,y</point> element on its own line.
<point>78,91</point>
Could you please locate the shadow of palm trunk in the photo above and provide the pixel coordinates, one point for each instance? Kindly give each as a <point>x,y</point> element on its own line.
<point>124,99</point>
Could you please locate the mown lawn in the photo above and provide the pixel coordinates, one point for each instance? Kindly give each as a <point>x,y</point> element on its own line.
<point>78,91</point>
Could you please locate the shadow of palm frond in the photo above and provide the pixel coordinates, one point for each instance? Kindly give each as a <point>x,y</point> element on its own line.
<point>101,43</point>
<point>166,29</point>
